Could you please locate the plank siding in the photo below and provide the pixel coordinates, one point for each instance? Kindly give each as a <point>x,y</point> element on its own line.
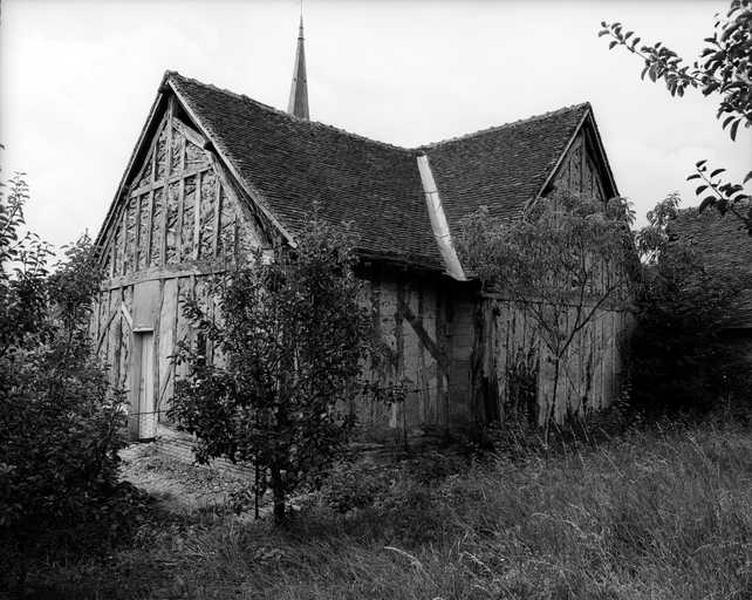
<point>589,370</point>
<point>578,171</point>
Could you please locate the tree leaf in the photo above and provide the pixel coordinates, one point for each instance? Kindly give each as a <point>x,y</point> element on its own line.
<point>700,163</point>
<point>701,189</point>
<point>612,44</point>
<point>734,127</point>
<point>747,177</point>
<point>716,172</point>
<point>707,201</point>
<point>697,176</point>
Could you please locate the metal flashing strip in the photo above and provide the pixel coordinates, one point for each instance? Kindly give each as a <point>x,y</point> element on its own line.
<point>439,223</point>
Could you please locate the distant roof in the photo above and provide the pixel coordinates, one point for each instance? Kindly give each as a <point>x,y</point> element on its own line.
<point>724,244</point>
<point>292,162</point>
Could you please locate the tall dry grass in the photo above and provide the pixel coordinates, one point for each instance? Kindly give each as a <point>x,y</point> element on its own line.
<point>653,515</point>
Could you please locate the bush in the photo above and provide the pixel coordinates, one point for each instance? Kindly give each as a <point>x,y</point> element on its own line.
<point>61,423</point>
<point>293,339</point>
<point>681,357</point>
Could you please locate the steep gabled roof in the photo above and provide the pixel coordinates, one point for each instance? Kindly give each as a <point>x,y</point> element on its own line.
<point>285,164</point>
<point>502,167</point>
<point>724,245</point>
<point>293,162</point>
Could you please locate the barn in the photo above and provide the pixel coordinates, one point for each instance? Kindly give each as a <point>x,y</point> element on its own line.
<point>215,174</point>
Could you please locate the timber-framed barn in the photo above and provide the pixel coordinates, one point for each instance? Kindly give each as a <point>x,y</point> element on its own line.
<point>215,174</point>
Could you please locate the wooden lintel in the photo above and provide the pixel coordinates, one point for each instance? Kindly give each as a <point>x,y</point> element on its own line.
<point>149,187</point>
<point>185,269</point>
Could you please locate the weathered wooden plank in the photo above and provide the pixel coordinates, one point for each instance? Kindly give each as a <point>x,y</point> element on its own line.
<point>209,183</point>
<point>187,230</point>
<point>173,178</point>
<point>217,223</point>
<point>167,327</point>
<point>172,218</point>
<point>251,232</point>
<point>136,232</point>
<point>420,366</point>
<point>149,228</point>
<point>191,134</point>
<point>126,336</point>
<point>425,338</point>
<point>159,225</point>
<point>412,363</point>
<point>179,223</point>
<point>442,395</point>
<point>196,222</point>
<point>166,272</point>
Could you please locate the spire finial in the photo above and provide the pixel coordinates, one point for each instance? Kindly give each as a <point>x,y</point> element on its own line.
<point>298,103</point>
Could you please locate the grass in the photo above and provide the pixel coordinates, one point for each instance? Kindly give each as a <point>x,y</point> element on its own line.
<point>648,515</point>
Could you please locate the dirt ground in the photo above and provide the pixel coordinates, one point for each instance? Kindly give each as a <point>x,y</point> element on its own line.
<point>178,486</point>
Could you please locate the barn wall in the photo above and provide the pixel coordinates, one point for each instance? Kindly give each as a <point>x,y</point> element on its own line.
<point>458,358</point>
<point>428,334</point>
<point>515,375</point>
<point>179,223</point>
<point>578,171</point>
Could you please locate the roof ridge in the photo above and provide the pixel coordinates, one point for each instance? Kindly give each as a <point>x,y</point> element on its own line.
<point>493,128</point>
<point>305,122</point>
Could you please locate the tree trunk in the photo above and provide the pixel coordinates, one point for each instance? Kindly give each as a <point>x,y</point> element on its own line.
<point>552,408</point>
<point>278,493</point>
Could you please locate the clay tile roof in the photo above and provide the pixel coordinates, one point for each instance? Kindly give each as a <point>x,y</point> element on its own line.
<point>502,167</point>
<point>724,244</point>
<point>292,162</point>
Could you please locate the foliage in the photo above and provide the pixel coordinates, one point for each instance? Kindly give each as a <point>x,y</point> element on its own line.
<point>681,358</point>
<point>724,69</point>
<point>290,335</point>
<point>567,258</point>
<point>59,420</point>
<point>652,239</point>
<point>658,513</point>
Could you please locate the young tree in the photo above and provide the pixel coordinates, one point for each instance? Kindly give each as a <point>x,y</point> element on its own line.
<point>60,422</point>
<point>291,337</point>
<point>724,69</point>
<point>564,260</point>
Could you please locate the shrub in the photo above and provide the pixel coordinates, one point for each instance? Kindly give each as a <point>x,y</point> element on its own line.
<point>60,421</point>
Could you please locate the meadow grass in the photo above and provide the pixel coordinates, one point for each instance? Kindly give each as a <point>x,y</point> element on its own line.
<point>649,514</point>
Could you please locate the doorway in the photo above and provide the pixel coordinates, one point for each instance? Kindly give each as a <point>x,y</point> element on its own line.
<point>143,397</point>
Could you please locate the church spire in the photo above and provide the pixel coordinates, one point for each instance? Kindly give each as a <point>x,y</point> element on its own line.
<point>298,104</point>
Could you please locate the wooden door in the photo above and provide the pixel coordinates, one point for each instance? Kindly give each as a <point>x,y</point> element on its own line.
<point>147,416</point>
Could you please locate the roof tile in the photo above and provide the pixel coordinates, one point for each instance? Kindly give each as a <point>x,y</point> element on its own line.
<point>293,162</point>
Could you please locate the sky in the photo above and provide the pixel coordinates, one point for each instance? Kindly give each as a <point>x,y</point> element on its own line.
<point>78,77</point>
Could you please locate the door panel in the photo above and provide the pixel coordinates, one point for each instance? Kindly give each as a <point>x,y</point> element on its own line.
<point>147,418</point>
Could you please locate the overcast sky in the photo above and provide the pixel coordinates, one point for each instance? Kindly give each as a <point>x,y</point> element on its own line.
<point>77,79</point>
